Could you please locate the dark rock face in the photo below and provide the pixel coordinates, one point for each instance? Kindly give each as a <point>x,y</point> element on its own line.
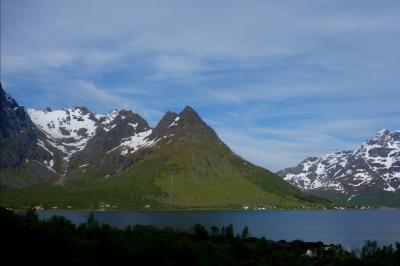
<point>19,149</point>
<point>194,127</point>
<point>64,131</point>
<point>17,134</point>
<point>108,136</point>
<point>187,126</point>
<point>165,127</point>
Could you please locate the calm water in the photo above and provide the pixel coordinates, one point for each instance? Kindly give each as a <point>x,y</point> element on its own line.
<point>350,228</point>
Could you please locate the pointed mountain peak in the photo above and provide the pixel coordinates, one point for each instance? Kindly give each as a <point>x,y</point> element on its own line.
<point>7,100</point>
<point>163,127</point>
<point>124,112</point>
<point>190,116</point>
<point>168,118</point>
<point>132,119</point>
<point>310,159</point>
<point>187,126</point>
<point>123,120</point>
<point>1,89</point>
<point>381,133</point>
<point>188,111</point>
<point>83,109</point>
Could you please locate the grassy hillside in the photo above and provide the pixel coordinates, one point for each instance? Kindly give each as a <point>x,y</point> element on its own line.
<point>175,176</point>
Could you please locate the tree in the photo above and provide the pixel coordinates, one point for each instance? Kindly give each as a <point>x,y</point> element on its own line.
<point>245,232</point>
<point>200,232</point>
<point>397,253</point>
<point>91,220</point>
<point>31,215</point>
<point>229,233</point>
<point>214,231</point>
<point>369,248</point>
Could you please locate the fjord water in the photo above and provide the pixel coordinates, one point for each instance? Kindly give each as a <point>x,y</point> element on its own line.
<point>347,227</point>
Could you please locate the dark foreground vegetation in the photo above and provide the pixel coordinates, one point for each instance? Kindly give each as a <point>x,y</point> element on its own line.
<point>27,240</point>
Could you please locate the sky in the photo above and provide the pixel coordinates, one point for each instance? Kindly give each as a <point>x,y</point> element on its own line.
<point>278,80</point>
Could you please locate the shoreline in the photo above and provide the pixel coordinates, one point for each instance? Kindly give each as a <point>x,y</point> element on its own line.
<point>202,210</point>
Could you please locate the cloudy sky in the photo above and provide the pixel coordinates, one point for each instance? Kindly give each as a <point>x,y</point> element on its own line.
<point>278,80</point>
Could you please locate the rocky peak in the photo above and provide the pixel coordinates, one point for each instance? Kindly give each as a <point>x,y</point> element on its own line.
<point>189,111</point>
<point>82,109</point>
<point>381,133</point>
<point>186,126</point>
<point>17,135</point>
<point>166,126</point>
<point>375,164</point>
<point>190,116</point>
<point>5,100</point>
<point>384,139</point>
<point>123,120</point>
<point>192,125</point>
<point>134,120</point>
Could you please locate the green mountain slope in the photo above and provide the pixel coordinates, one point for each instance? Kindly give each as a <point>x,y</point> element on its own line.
<point>125,164</point>
<point>181,179</point>
<point>188,167</point>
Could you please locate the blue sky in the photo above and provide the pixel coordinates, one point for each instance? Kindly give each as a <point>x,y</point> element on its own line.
<point>278,80</point>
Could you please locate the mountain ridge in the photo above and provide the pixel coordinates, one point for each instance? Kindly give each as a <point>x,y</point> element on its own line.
<point>119,159</point>
<point>370,171</point>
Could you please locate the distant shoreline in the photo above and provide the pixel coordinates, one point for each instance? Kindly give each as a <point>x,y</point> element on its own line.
<point>202,210</point>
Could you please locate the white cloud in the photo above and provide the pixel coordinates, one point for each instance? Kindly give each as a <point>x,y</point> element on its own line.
<point>316,72</point>
<point>103,95</point>
<point>106,97</point>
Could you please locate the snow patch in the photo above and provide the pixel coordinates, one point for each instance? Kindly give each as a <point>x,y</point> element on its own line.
<point>351,197</point>
<point>175,122</point>
<point>134,143</point>
<point>41,144</point>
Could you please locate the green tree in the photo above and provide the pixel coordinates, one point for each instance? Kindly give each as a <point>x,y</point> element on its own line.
<point>214,231</point>
<point>369,249</point>
<point>92,221</point>
<point>397,254</point>
<point>31,215</point>
<point>245,232</point>
<point>229,232</point>
<point>200,232</point>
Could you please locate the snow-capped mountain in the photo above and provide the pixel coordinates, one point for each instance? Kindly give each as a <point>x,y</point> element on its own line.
<point>75,141</point>
<point>72,130</point>
<point>69,130</point>
<point>373,167</point>
<point>66,129</point>
<point>85,159</point>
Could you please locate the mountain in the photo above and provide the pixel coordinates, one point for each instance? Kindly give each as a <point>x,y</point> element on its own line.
<point>20,148</point>
<point>368,175</point>
<point>117,161</point>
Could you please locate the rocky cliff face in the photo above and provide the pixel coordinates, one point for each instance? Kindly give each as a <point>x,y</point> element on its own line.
<point>20,147</point>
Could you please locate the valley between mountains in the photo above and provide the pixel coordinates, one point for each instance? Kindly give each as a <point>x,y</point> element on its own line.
<point>75,159</point>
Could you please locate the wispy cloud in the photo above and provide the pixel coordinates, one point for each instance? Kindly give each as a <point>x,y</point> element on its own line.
<point>103,95</point>
<point>113,101</point>
<point>296,79</point>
